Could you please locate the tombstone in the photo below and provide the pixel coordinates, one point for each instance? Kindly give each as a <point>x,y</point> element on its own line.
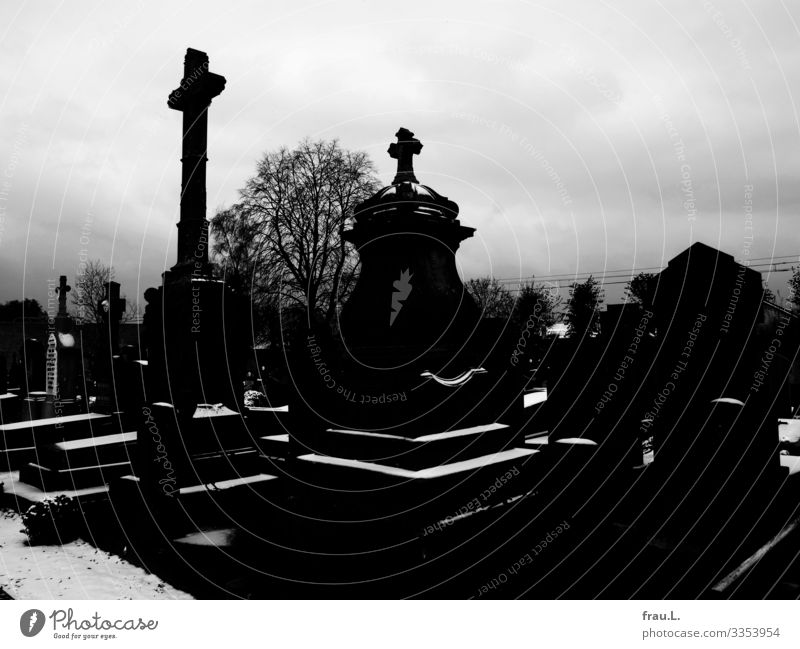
<point>188,317</point>
<point>409,305</point>
<point>34,361</point>
<point>194,351</point>
<point>62,360</point>
<point>193,98</point>
<point>9,402</point>
<point>717,358</point>
<point>411,336</point>
<point>69,355</point>
<point>112,308</point>
<point>687,375</point>
<point>16,374</point>
<point>51,381</point>
<point>416,405</point>
<point>34,377</point>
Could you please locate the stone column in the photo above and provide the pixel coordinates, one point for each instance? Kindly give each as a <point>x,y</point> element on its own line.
<point>193,97</point>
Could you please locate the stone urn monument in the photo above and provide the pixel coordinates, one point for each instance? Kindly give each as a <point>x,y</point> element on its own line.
<point>409,308</point>
<point>414,357</point>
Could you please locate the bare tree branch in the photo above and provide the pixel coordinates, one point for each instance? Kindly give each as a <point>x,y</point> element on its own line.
<point>282,244</point>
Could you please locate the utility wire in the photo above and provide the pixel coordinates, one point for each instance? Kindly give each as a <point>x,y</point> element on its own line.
<point>601,276</point>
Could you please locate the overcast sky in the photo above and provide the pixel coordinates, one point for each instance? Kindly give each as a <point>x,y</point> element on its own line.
<point>575,136</point>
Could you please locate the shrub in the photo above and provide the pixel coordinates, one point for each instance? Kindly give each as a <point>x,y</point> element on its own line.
<point>52,521</point>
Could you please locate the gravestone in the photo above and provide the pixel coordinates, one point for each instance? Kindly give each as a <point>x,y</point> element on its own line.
<point>112,308</point>
<point>16,374</point>
<point>711,417</point>
<point>33,355</point>
<point>51,374</point>
<point>685,376</point>
<point>193,388</point>
<point>62,359</point>
<point>194,354</point>
<point>409,307</point>
<point>9,401</point>
<point>66,450</point>
<point>34,360</point>
<point>193,98</point>
<point>416,406</point>
<point>413,349</point>
<point>69,357</point>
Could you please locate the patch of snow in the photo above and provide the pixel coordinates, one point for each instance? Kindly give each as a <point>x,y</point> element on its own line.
<point>75,570</point>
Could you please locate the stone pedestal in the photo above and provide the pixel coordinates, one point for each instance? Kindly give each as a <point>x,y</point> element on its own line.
<point>195,351</point>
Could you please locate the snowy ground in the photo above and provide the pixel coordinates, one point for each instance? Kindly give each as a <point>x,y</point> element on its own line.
<point>789,430</point>
<point>75,570</point>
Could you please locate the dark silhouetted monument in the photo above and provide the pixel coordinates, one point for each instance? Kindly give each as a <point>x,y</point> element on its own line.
<point>409,305</point>
<point>112,308</point>
<point>190,359</point>
<point>193,98</point>
<point>69,360</point>
<point>418,404</point>
<point>194,349</point>
<point>687,376</point>
<point>414,356</point>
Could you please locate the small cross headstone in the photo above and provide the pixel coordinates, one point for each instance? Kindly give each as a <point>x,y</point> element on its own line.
<point>63,289</point>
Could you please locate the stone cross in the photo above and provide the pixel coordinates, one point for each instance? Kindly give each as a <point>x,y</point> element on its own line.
<point>406,147</point>
<point>63,289</point>
<point>198,87</point>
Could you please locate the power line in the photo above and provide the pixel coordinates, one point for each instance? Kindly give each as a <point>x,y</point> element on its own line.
<point>604,282</point>
<point>629,274</point>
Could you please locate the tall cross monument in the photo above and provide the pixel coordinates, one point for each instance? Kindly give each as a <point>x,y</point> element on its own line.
<point>193,97</point>
<point>195,350</point>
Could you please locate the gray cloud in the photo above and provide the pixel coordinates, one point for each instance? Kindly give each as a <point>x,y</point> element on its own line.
<point>563,129</point>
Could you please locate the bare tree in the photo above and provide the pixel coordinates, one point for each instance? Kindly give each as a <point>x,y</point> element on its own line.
<point>493,299</point>
<point>284,237</point>
<point>90,290</point>
<point>245,271</point>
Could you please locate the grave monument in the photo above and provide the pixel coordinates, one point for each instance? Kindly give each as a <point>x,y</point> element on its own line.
<point>417,404</point>
<point>413,349</point>
<point>193,384</point>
